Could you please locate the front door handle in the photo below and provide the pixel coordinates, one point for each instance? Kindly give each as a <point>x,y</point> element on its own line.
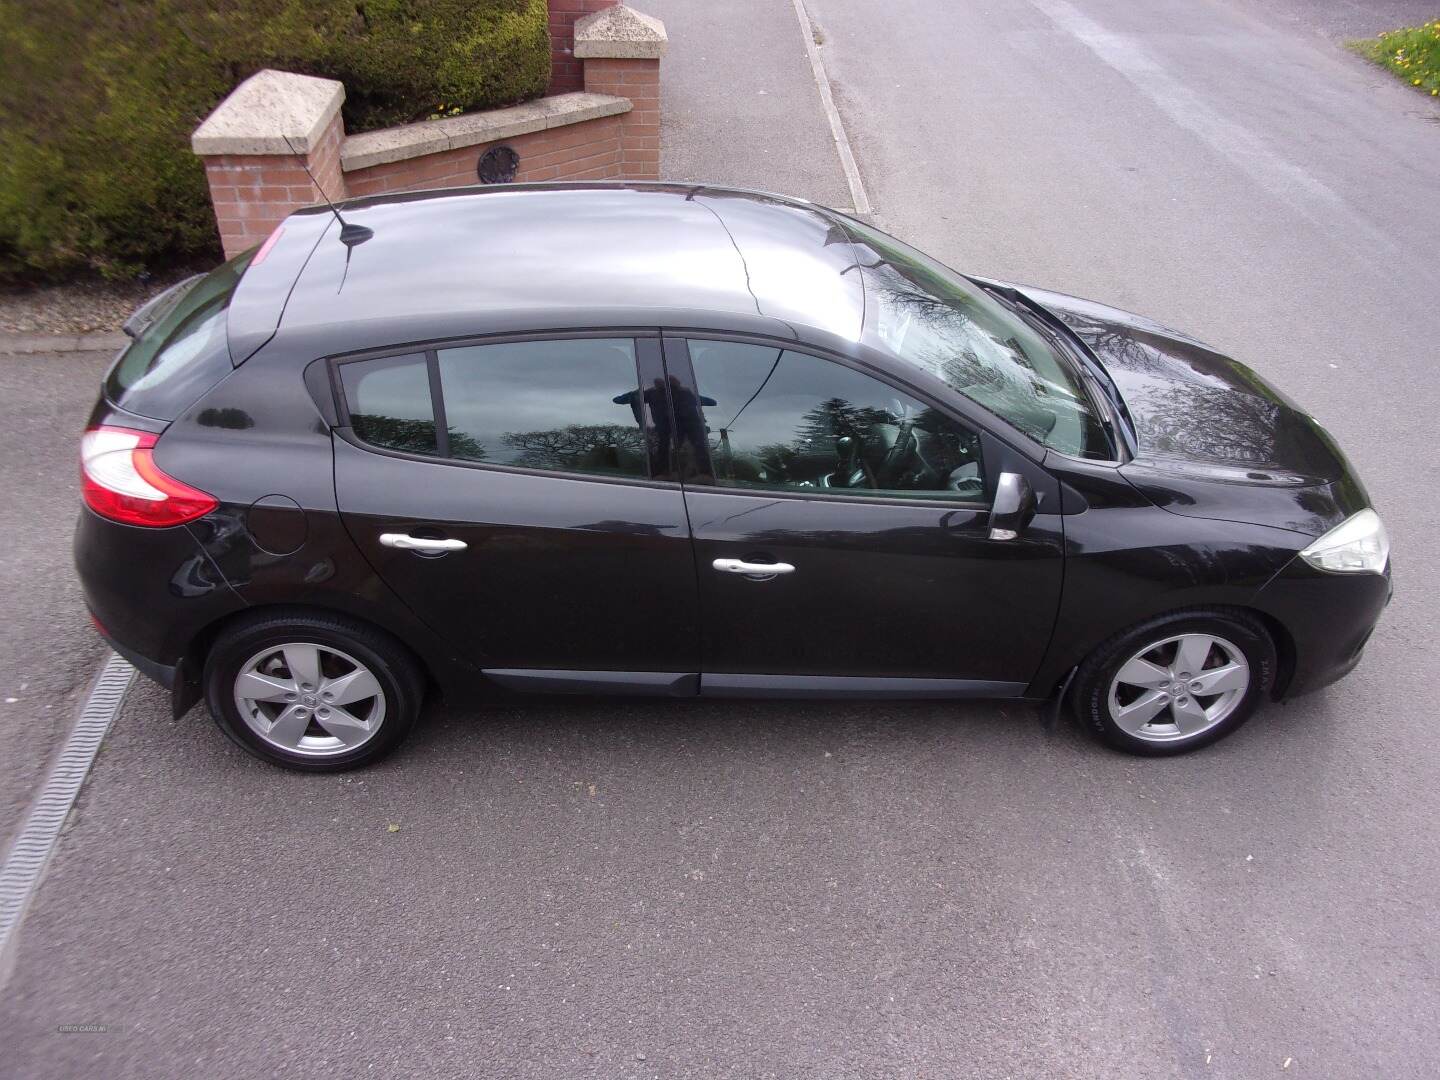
<point>753,569</point>
<point>406,542</point>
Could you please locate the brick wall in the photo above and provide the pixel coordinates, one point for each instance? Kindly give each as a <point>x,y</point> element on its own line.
<point>565,70</point>
<point>252,193</point>
<point>638,80</point>
<point>590,150</point>
<point>609,131</point>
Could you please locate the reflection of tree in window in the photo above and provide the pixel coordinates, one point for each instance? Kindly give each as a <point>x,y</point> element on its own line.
<point>950,326</point>
<point>837,417</point>
<point>411,436</point>
<point>579,447</point>
<point>1008,385</point>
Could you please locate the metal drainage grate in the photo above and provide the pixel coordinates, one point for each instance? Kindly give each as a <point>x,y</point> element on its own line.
<point>26,862</point>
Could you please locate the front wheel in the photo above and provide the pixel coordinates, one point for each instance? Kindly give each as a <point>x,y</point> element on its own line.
<point>1176,683</point>
<point>312,692</point>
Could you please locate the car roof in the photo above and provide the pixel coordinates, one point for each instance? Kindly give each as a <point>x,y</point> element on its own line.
<point>472,261</point>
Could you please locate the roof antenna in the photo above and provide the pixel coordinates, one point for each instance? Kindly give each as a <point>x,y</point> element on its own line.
<point>350,235</point>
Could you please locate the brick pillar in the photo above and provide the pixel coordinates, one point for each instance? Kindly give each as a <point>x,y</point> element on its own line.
<point>621,50</point>
<point>565,69</point>
<point>256,146</point>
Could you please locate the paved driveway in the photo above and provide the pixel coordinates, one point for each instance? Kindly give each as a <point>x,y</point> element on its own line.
<point>592,888</point>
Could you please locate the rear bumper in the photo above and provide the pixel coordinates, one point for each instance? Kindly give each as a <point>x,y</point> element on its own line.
<point>150,591</point>
<point>164,674</point>
<point>1329,617</point>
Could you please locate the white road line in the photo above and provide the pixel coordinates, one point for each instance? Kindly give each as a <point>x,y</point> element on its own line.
<point>1282,178</point>
<point>859,200</point>
<point>1277,175</point>
<point>26,862</point>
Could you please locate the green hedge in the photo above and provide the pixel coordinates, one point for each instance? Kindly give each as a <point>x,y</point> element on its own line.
<point>98,100</point>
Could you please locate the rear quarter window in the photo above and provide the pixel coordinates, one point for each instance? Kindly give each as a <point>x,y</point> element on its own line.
<point>182,353</point>
<point>390,403</point>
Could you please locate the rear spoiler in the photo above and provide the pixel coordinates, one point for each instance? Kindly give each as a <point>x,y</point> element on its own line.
<point>158,306</point>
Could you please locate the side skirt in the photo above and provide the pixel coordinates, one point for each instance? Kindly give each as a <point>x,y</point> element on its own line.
<point>689,684</point>
<point>553,681</point>
<point>848,686</point>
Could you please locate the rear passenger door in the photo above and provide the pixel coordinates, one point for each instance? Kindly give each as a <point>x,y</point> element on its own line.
<point>511,493</point>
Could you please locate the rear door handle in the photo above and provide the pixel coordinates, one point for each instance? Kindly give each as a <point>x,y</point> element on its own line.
<point>740,566</point>
<point>406,542</point>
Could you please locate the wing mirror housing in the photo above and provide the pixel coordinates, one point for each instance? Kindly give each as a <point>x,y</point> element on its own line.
<point>1013,508</point>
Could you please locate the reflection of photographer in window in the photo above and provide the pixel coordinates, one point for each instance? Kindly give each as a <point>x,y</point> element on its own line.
<point>688,429</point>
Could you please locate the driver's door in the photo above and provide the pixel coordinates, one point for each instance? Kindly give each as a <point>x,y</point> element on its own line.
<point>878,503</point>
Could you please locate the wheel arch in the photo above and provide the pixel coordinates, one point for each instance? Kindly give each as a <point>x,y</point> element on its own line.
<point>442,673</point>
<point>1052,682</point>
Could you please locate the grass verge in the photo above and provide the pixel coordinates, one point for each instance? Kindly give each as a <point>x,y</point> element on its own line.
<point>1412,53</point>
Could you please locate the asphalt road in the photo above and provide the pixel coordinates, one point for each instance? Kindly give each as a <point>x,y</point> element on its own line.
<point>622,889</point>
<point>48,651</point>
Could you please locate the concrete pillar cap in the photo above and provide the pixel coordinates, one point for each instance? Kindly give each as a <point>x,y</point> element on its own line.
<point>268,109</point>
<point>620,32</point>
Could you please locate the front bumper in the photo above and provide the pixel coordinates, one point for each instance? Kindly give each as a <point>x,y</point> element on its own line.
<point>1329,618</point>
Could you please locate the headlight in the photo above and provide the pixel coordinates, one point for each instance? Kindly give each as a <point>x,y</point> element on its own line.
<point>1358,545</point>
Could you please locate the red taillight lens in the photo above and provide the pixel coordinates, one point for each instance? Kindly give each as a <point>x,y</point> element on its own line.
<point>121,481</point>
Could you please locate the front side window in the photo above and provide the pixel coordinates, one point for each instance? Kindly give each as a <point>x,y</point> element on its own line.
<point>788,421</point>
<point>568,405</point>
<point>927,316</point>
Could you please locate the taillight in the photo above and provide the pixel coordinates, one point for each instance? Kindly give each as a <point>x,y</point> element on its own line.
<point>121,481</point>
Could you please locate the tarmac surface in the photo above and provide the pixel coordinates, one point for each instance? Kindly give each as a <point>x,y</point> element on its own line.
<point>792,889</point>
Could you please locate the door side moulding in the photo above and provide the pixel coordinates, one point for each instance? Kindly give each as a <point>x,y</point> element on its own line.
<point>554,681</point>
<point>841,686</point>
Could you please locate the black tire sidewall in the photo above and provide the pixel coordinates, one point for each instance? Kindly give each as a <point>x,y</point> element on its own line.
<point>394,674</point>
<point>1092,689</point>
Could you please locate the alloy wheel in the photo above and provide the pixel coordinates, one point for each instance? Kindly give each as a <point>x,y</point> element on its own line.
<point>1179,687</point>
<point>310,699</point>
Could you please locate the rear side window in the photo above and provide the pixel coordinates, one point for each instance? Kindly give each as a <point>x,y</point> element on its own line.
<point>561,405</point>
<point>568,405</point>
<point>390,403</point>
<point>182,352</point>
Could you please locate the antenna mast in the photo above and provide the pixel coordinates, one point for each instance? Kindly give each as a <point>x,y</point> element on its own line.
<point>350,235</point>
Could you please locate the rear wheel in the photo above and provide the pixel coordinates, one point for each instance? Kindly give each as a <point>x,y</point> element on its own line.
<point>1176,683</point>
<point>316,693</point>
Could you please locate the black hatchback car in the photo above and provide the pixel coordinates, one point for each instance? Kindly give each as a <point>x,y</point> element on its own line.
<point>684,440</point>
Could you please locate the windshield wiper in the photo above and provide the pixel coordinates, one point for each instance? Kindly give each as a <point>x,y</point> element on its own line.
<point>158,306</point>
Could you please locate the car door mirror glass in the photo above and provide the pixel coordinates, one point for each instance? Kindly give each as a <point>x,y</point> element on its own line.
<point>1013,508</point>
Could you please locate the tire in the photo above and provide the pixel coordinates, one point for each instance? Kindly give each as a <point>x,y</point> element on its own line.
<point>1120,683</point>
<point>267,694</point>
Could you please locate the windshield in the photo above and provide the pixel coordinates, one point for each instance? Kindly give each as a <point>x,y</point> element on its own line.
<point>932,318</point>
<point>183,352</point>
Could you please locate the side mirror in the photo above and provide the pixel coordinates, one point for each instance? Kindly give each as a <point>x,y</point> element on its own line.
<point>1013,507</point>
